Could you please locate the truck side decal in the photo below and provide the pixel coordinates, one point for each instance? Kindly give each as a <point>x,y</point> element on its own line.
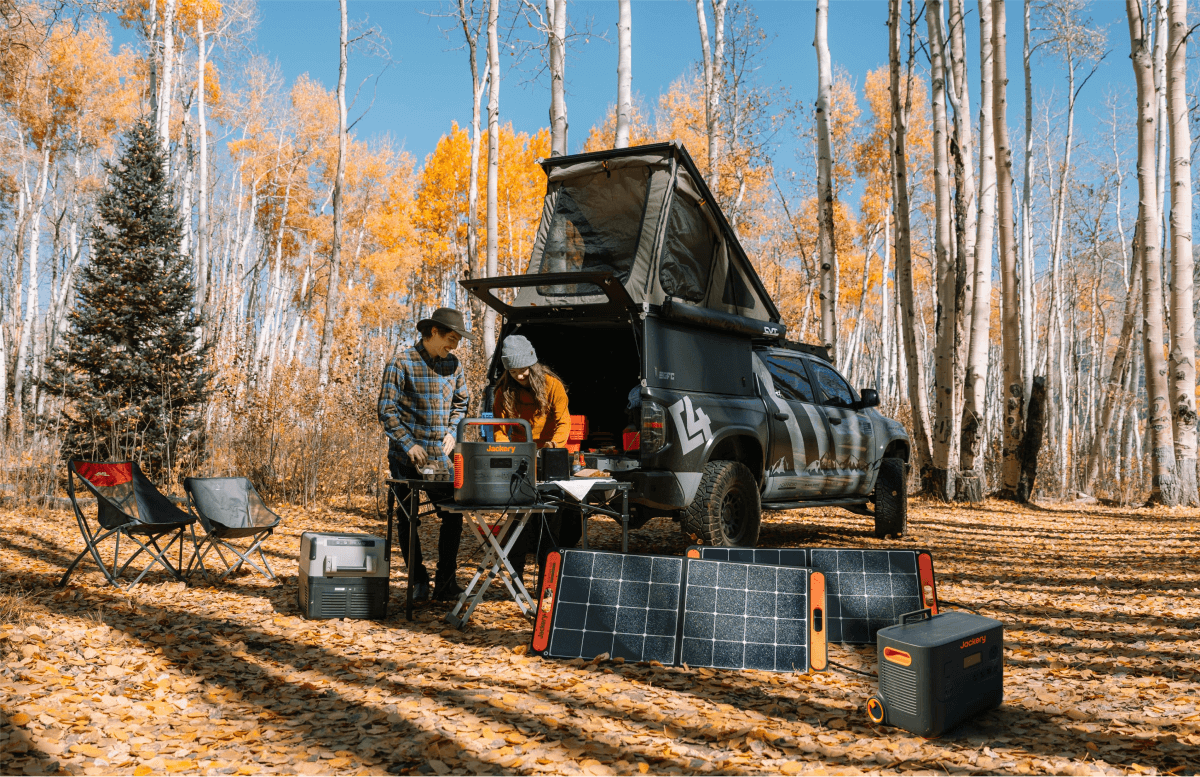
<point>694,426</point>
<point>801,429</point>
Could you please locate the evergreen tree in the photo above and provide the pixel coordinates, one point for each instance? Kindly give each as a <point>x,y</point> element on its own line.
<point>130,369</point>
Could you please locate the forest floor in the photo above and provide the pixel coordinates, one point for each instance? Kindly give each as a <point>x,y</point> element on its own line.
<point>1102,630</point>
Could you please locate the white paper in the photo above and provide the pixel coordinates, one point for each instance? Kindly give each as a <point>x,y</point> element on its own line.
<point>580,488</point>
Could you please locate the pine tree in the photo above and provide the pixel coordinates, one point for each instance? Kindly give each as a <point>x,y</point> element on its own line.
<point>129,368</point>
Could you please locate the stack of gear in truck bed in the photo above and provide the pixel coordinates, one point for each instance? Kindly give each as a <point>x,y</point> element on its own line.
<point>343,576</point>
<point>494,473</point>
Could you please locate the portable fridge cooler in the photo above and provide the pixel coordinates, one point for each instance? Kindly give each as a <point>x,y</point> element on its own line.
<point>343,576</point>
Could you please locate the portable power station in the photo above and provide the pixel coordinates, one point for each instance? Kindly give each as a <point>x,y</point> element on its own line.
<point>935,671</point>
<point>343,576</point>
<point>494,473</point>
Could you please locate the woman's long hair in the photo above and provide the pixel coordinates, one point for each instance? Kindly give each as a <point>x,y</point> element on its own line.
<point>507,388</point>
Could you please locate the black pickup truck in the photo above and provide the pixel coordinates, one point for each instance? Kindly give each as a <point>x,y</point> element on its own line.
<point>640,297</point>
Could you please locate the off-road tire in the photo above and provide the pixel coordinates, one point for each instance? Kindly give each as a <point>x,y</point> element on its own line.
<point>891,498</point>
<point>725,511</point>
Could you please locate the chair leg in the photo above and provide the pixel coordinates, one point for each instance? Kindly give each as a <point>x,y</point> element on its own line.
<point>92,541</point>
<point>158,555</point>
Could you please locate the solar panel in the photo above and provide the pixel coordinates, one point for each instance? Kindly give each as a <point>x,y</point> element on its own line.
<point>745,616</point>
<point>672,610</point>
<point>867,589</point>
<point>623,605</point>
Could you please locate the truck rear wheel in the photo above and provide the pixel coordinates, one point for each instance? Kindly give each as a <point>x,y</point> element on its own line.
<point>891,498</point>
<point>725,511</point>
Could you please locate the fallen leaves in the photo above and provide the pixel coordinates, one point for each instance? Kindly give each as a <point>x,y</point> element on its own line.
<point>1101,610</point>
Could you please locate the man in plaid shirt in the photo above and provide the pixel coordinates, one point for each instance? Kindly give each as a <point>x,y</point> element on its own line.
<point>423,397</point>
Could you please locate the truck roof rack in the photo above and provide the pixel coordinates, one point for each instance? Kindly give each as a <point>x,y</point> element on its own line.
<point>818,351</point>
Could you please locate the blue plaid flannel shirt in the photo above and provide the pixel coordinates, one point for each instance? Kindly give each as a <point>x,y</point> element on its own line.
<point>421,400</point>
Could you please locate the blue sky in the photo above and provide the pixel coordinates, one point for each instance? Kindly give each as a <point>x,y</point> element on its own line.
<point>428,84</point>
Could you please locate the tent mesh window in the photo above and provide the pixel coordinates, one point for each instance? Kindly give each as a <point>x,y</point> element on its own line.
<point>596,226</point>
<point>737,292</point>
<point>687,252</point>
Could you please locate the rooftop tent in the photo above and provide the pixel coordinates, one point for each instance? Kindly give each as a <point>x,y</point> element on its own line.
<point>645,215</point>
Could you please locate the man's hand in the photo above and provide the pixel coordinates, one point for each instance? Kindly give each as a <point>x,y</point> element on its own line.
<point>448,443</point>
<point>418,455</point>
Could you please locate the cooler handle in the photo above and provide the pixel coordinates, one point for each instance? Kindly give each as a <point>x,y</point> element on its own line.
<point>332,567</point>
<point>916,615</point>
<point>464,423</point>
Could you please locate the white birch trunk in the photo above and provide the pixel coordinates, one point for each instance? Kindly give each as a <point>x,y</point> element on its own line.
<point>1028,341</point>
<point>37,202</point>
<point>975,388</point>
<point>922,453</point>
<point>493,177</point>
<point>1011,309</point>
<point>826,239</point>
<point>339,216</point>
<point>202,197</point>
<point>944,455</point>
<point>1183,320</point>
<point>168,74</point>
<point>1163,484</point>
<point>624,73</point>
<point>556,20</point>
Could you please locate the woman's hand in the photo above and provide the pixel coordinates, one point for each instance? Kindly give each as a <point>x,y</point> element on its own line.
<point>448,443</point>
<point>418,455</point>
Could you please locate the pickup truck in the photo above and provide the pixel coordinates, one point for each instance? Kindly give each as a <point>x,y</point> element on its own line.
<point>640,297</point>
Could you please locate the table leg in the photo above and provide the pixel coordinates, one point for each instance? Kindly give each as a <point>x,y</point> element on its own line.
<point>624,520</point>
<point>495,563</point>
<point>413,509</point>
<point>583,519</point>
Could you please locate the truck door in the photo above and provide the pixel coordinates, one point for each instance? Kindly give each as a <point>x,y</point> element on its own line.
<point>799,438</point>
<point>852,433</point>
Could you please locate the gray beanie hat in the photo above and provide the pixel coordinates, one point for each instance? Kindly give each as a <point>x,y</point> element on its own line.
<point>517,353</point>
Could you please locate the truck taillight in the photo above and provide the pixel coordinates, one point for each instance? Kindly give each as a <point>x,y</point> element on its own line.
<point>654,427</point>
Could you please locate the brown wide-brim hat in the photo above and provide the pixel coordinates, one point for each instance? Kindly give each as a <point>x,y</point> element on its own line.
<point>447,318</point>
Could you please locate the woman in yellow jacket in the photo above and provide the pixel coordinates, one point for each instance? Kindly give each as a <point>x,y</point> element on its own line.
<point>531,391</point>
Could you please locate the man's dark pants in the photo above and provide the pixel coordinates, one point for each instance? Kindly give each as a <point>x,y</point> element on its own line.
<point>449,536</point>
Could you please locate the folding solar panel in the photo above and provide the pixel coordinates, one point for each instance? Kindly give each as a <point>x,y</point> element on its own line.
<point>681,611</point>
<point>623,605</point>
<point>867,589</point>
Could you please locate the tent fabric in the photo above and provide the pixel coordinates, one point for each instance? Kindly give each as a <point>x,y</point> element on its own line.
<point>644,217</point>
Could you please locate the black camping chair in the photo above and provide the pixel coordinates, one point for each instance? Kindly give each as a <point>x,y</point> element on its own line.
<point>230,509</point>
<point>128,505</point>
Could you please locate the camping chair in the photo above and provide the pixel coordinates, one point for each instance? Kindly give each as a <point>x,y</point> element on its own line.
<point>230,509</point>
<point>127,505</point>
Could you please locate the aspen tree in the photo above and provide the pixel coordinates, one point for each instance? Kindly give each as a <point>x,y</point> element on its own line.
<point>826,240</point>
<point>975,388</point>
<point>624,74</point>
<point>1164,488</point>
<point>945,355</point>
<point>167,86</point>
<point>556,24</point>
<point>339,215</point>
<point>1183,319</point>
<point>1013,395</point>
<point>493,176</point>
<point>466,17</point>
<point>922,453</point>
<point>713,60</point>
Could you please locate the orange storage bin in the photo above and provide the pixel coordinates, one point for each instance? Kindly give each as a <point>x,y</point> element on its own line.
<point>579,432</point>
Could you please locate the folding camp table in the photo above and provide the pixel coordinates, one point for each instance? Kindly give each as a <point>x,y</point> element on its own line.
<point>412,511</point>
<point>495,561</point>
<point>591,496</point>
